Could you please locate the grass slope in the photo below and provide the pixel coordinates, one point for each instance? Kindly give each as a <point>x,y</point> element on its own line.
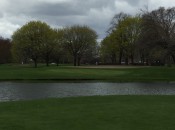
<point>17,72</point>
<point>90,113</point>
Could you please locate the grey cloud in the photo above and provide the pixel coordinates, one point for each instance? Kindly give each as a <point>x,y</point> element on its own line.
<point>58,13</point>
<point>77,12</point>
<point>59,9</point>
<point>134,3</point>
<point>94,13</point>
<point>76,7</point>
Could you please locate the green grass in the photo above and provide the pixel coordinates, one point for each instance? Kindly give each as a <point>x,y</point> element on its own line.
<point>19,72</point>
<point>90,113</point>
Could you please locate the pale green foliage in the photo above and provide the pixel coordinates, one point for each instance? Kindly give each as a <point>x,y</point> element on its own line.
<point>125,35</point>
<point>127,32</point>
<point>131,29</point>
<point>58,50</point>
<point>109,49</point>
<point>32,40</point>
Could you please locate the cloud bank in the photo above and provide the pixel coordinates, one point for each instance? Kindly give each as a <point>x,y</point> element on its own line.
<point>59,13</point>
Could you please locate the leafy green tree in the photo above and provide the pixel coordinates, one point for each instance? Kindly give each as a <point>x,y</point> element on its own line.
<point>48,44</point>
<point>78,40</point>
<point>109,49</point>
<point>33,40</point>
<point>5,50</point>
<point>118,33</point>
<point>91,55</point>
<point>59,51</point>
<point>131,28</point>
<point>159,32</point>
<point>125,33</point>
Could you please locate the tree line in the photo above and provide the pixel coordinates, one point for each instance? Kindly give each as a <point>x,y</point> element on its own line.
<point>37,41</point>
<point>5,50</point>
<point>147,38</point>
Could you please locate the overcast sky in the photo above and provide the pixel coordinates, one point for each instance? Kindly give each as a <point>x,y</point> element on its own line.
<point>59,13</point>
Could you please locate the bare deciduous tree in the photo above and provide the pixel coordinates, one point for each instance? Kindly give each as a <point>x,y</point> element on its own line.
<point>78,39</point>
<point>159,30</point>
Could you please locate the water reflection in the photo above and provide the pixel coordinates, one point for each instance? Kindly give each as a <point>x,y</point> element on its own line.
<point>24,91</point>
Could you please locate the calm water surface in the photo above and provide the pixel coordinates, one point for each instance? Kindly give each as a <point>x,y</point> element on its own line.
<point>25,91</point>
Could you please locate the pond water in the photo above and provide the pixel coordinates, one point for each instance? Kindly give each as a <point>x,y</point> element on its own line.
<point>25,91</point>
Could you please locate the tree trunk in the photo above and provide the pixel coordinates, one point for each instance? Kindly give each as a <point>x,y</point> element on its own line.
<point>120,57</point>
<point>113,58</point>
<point>147,62</point>
<point>47,60</point>
<point>35,63</point>
<point>58,61</point>
<point>173,58</point>
<point>142,59</point>
<point>126,61</point>
<point>132,59</point>
<point>169,61</point>
<point>47,63</point>
<point>79,60</point>
<point>75,60</point>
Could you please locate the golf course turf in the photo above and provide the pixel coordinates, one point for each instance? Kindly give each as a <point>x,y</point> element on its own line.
<point>89,113</point>
<point>64,73</point>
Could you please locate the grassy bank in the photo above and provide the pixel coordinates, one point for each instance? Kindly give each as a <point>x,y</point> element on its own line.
<point>19,72</point>
<point>90,113</point>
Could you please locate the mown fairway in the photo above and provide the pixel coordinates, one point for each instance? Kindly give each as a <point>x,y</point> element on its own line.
<point>19,72</point>
<point>90,113</point>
